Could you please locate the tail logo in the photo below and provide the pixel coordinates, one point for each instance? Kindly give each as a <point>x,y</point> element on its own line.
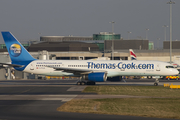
<point>15,50</point>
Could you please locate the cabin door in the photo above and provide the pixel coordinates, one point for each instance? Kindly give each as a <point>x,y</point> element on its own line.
<point>31,66</point>
<point>158,67</point>
<point>122,68</point>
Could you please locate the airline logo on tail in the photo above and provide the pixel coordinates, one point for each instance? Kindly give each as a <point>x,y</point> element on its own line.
<point>132,55</point>
<point>15,50</point>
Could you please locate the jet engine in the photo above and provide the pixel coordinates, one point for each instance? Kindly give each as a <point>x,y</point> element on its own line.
<point>96,77</point>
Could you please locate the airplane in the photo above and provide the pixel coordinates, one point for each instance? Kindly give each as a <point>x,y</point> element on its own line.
<point>90,71</point>
<point>132,55</point>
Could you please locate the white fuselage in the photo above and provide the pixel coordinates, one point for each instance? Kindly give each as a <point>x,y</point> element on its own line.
<point>113,68</point>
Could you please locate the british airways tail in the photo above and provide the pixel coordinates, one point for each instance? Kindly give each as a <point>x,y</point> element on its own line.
<point>18,54</point>
<point>132,55</point>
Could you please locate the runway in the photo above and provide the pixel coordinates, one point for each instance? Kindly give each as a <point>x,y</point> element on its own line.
<point>39,99</point>
<point>67,82</point>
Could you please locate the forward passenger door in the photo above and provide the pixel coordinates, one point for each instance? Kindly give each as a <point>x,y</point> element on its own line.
<point>158,67</point>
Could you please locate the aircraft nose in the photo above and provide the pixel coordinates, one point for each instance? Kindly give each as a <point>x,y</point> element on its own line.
<point>176,71</point>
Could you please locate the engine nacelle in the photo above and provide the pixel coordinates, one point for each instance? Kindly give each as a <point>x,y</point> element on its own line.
<point>96,77</point>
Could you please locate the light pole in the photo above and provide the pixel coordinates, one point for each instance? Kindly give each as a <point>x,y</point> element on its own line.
<point>170,26</point>
<point>158,43</point>
<point>147,34</point>
<point>112,39</point>
<point>165,26</point>
<point>39,34</point>
<point>128,34</point>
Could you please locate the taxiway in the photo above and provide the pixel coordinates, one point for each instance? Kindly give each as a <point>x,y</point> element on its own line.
<point>39,99</point>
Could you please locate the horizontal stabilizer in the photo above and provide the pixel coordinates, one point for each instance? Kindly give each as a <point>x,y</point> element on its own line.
<point>12,65</point>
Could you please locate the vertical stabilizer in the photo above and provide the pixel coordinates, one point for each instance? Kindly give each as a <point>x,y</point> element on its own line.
<point>18,54</point>
<point>132,55</point>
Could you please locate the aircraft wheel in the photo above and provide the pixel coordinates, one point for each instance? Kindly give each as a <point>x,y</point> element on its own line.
<point>155,84</point>
<point>83,83</point>
<point>78,83</point>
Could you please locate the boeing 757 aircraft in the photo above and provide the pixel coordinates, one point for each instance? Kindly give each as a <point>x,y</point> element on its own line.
<point>91,71</point>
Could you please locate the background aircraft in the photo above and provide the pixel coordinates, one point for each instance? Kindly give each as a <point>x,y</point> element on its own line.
<point>132,54</point>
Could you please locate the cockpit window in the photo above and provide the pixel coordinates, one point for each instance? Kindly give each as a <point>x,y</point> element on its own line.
<point>169,67</point>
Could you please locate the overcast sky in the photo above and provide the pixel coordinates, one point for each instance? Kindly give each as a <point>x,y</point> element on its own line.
<point>30,19</point>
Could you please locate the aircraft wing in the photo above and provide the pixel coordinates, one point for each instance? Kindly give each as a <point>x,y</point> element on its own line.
<point>75,70</point>
<point>11,65</point>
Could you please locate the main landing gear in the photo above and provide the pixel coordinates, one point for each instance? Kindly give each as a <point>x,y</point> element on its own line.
<point>156,82</point>
<point>86,83</point>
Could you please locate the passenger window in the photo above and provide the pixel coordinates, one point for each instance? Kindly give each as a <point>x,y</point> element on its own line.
<point>169,67</point>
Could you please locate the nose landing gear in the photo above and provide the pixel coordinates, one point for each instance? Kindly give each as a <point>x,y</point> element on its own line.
<point>156,82</point>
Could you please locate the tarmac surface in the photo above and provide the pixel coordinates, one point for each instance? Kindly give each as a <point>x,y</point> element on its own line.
<point>39,99</point>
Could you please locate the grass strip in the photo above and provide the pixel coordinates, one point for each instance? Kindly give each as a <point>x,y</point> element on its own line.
<point>147,107</point>
<point>154,91</point>
<point>166,105</point>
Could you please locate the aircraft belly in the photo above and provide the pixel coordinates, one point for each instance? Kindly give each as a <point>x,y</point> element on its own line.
<point>127,72</point>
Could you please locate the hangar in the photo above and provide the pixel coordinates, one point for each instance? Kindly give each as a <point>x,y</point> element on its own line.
<point>64,46</point>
